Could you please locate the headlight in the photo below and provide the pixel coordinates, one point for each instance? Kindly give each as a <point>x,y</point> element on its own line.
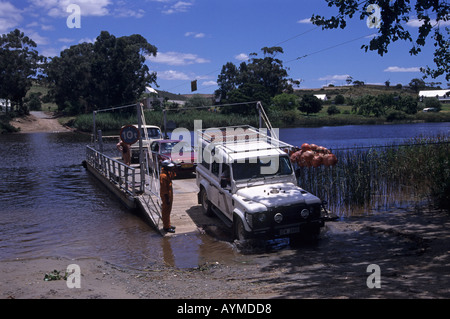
<point>305,213</point>
<point>278,218</point>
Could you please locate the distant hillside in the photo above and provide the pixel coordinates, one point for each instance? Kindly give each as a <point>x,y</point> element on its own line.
<point>171,96</point>
<point>206,96</point>
<point>352,91</point>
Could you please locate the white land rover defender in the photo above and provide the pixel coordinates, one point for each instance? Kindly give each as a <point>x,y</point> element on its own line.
<point>248,181</point>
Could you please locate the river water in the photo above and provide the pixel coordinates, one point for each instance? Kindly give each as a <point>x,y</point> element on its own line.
<point>51,206</point>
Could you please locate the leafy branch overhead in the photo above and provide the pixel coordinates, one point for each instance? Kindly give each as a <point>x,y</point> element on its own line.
<point>394,16</point>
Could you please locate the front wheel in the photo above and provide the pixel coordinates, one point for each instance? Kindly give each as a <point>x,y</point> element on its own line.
<point>206,204</point>
<point>239,230</point>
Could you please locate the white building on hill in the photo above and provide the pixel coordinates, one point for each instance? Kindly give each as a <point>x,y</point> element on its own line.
<point>441,95</point>
<point>322,97</point>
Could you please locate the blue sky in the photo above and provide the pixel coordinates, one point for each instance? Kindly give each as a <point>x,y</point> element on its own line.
<point>195,38</point>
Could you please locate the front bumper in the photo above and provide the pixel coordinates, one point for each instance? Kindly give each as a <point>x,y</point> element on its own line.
<point>277,231</point>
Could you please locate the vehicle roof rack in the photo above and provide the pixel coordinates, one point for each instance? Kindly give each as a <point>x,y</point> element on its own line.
<point>233,138</point>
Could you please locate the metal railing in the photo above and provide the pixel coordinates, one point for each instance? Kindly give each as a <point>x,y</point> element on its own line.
<point>115,171</point>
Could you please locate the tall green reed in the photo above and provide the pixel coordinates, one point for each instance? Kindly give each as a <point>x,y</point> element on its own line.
<point>375,178</point>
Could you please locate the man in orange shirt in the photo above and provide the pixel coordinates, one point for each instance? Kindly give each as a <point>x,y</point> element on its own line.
<point>166,193</point>
<point>126,152</point>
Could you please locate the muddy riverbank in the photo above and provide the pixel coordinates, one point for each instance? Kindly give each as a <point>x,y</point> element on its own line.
<point>37,122</point>
<point>411,248</point>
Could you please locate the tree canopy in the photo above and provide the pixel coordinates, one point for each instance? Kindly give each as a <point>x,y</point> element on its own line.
<point>110,72</point>
<point>19,65</point>
<point>394,15</point>
<point>260,79</point>
<point>310,104</point>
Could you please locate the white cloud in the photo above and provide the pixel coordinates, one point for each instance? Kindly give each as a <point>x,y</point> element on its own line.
<point>58,8</point>
<point>10,17</point>
<point>87,40</point>
<point>172,75</point>
<point>416,23</point>
<point>180,6</point>
<point>241,57</point>
<point>50,52</point>
<point>397,69</point>
<point>209,83</point>
<point>36,37</point>
<point>177,58</point>
<point>124,12</point>
<point>195,35</point>
<point>337,77</point>
<point>305,21</point>
<point>66,40</point>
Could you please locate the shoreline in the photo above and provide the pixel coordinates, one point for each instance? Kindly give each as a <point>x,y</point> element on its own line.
<point>39,122</point>
<point>410,246</point>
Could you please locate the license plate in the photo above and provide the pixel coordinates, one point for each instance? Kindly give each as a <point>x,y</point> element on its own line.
<point>187,165</point>
<point>288,231</point>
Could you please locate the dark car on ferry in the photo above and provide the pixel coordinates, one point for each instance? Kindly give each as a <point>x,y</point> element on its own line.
<point>179,152</point>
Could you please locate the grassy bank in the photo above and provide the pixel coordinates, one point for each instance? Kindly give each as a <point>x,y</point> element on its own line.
<point>379,177</point>
<point>185,119</point>
<point>286,119</point>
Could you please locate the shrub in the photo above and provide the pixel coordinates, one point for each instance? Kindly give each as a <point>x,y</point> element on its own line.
<point>333,110</point>
<point>339,99</point>
<point>395,115</point>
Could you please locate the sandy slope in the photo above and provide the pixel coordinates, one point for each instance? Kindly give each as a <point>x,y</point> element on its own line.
<point>38,122</point>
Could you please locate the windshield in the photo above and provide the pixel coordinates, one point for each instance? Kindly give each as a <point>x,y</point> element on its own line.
<point>167,148</point>
<point>153,133</point>
<point>261,167</point>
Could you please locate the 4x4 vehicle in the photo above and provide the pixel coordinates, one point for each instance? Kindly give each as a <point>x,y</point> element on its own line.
<point>153,133</point>
<point>247,180</point>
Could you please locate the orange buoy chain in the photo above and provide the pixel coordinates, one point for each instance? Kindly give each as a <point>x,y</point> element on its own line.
<point>311,155</point>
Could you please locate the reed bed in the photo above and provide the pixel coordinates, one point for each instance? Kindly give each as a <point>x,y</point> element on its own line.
<point>181,118</point>
<point>367,179</point>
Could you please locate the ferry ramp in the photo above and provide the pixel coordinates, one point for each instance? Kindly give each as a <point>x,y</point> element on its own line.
<point>125,183</point>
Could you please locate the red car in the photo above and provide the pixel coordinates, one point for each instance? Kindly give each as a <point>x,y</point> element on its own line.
<point>179,152</point>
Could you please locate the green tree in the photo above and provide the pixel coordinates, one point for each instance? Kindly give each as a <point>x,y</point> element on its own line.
<point>270,72</point>
<point>71,80</point>
<point>285,102</point>
<point>261,78</point>
<point>19,65</point>
<point>393,16</point>
<point>248,92</point>
<point>33,101</point>
<point>110,72</point>
<point>310,104</point>
<point>227,80</point>
<point>119,70</point>
<point>339,99</point>
<point>407,104</point>
<point>369,105</point>
<point>417,84</point>
<point>433,102</point>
